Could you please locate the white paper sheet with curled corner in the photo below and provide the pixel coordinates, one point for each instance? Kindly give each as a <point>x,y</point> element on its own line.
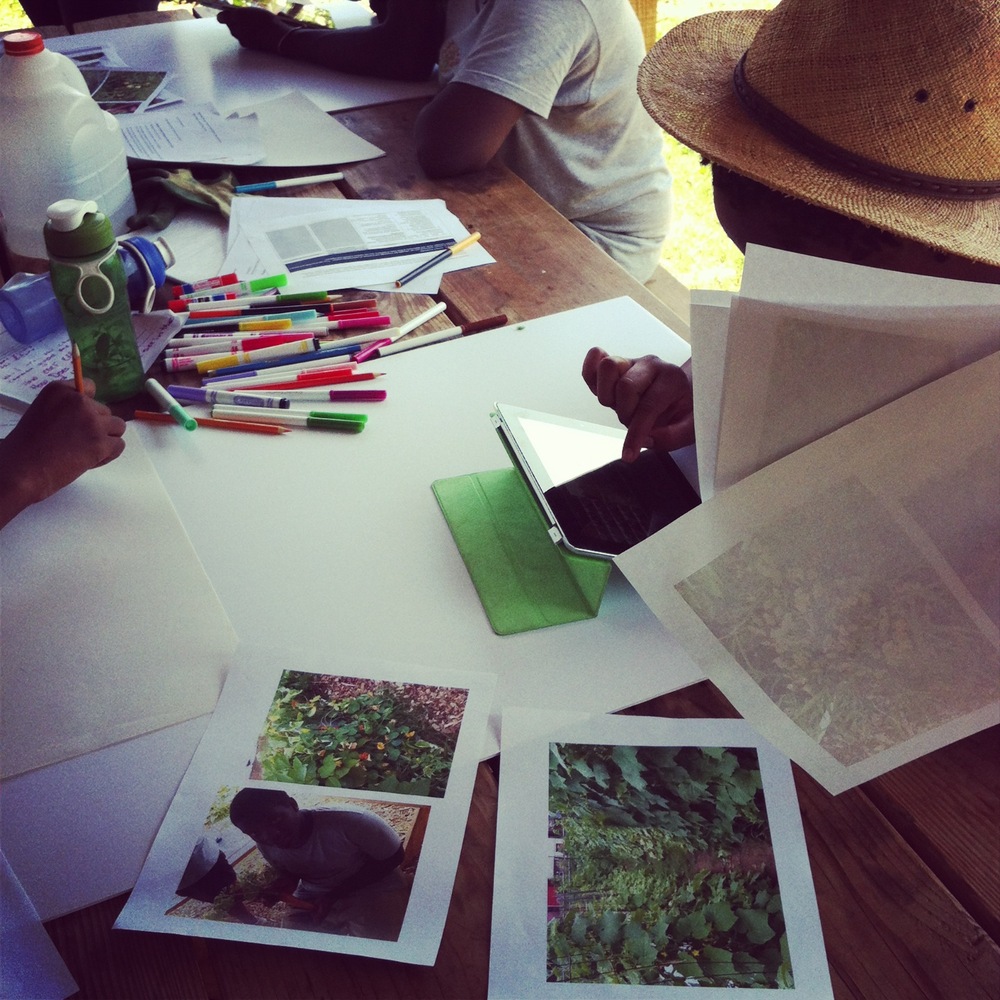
<point>110,626</point>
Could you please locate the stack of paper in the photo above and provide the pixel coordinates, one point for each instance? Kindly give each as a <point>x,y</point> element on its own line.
<point>841,586</point>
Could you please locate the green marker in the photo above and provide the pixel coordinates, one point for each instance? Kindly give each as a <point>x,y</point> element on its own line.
<point>316,419</point>
<point>168,403</point>
<point>328,422</point>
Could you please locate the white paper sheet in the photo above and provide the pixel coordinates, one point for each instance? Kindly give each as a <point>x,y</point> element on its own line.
<point>26,368</point>
<point>793,374</point>
<point>707,805</point>
<point>295,236</point>
<point>244,745</point>
<point>192,134</point>
<point>286,131</point>
<point>110,627</point>
<point>30,966</point>
<point>811,344</point>
<point>709,326</point>
<point>846,598</point>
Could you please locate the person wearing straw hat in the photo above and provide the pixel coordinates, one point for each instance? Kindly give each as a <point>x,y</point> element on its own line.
<point>856,131</point>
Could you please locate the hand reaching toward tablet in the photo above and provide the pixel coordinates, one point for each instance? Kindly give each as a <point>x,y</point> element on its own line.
<point>653,399</point>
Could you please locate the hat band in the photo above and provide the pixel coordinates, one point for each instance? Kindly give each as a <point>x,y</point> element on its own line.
<point>800,138</point>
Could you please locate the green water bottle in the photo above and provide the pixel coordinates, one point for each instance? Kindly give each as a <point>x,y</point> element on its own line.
<point>88,279</point>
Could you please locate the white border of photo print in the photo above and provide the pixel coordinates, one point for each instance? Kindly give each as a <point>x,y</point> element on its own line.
<point>525,858</point>
<point>238,750</point>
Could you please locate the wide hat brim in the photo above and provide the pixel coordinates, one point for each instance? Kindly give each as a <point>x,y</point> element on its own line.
<point>686,85</point>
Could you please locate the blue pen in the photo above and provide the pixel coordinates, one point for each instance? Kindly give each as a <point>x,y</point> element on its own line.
<point>286,182</point>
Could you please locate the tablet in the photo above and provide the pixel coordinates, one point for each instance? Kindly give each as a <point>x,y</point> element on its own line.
<point>594,503</point>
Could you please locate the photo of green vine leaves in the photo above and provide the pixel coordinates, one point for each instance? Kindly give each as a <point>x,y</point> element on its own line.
<point>663,869</point>
<point>344,732</point>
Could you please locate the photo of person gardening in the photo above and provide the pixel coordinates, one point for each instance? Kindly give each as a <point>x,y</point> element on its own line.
<point>307,862</point>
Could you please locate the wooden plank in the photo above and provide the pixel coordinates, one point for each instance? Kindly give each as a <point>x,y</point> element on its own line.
<point>544,263</point>
<point>947,807</point>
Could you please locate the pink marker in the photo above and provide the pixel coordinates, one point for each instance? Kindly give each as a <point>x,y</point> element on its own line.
<point>358,322</point>
<point>365,353</point>
<point>198,286</point>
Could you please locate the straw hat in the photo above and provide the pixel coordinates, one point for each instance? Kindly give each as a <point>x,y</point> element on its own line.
<point>886,111</point>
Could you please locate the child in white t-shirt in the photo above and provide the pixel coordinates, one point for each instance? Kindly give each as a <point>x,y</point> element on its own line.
<point>548,87</point>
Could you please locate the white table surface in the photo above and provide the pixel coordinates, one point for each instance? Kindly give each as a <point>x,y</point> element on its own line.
<point>208,65</point>
<point>321,541</point>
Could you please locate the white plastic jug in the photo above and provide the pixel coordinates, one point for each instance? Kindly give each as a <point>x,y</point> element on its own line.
<point>55,142</point>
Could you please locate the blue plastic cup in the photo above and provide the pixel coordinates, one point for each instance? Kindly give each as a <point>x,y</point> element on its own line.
<point>28,306</point>
<point>28,309</point>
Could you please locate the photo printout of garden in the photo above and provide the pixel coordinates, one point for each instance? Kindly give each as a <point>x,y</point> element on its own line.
<point>325,808</point>
<point>844,597</point>
<point>642,852</point>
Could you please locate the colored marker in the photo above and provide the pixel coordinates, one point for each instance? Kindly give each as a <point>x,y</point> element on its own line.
<point>247,324</point>
<point>205,283</point>
<point>197,395</point>
<point>279,299</point>
<point>451,333</point>
<point>438,258</point>
<point>290,310</point>
<point>244,287</point>
<point>176,411</point>
<point>225,425</point>
<point>287,182</point>
<point>188,347</point>
<point>335,395</point>
<point>322,357</point>
<point>331,378</point>
<point>315,419</point>
<point>241,358</point>
<point>357,322</point>
<point>391,336</point>
<point>252,380</point>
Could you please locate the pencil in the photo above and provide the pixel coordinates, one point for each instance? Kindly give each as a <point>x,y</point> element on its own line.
<point>226,425</point>
<point>438,258</point>
<point>77,369</point>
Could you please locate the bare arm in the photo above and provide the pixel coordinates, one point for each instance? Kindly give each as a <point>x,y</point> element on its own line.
<point>403,45</point>
<point>462,129</point>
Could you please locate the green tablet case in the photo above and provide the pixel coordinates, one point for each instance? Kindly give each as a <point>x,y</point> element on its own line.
<point>524,580</point>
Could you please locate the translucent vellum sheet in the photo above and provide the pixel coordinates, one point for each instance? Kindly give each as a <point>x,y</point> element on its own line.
<point>846,598</point>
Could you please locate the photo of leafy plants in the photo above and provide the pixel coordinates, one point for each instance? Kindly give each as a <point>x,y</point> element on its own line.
<point>350,732</point>
<point>662,869</point>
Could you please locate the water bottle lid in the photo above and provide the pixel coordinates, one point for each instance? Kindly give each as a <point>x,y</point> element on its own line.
<point>76,229</point>
<point>23,43</point>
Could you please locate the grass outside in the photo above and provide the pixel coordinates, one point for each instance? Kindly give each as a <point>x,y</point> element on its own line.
<point>697,251</point>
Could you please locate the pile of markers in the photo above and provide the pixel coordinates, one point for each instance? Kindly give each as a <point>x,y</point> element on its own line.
<point>261,355</point>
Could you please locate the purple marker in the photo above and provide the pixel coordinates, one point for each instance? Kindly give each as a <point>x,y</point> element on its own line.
<point>196,395</point>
